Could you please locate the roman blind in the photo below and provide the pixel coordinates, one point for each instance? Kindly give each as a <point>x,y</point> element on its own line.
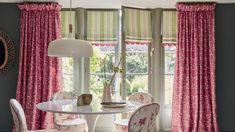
<point>169,28</point>
<point>102,27</point>
<point>138,26</point>
<point>65,21</point>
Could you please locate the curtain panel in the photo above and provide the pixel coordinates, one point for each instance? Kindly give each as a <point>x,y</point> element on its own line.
<point>102,27</point>
<point>39,75</point>
<point>67,17</point>
<point>194,101</point>
<point>169,28</point>
<point>138,26</point>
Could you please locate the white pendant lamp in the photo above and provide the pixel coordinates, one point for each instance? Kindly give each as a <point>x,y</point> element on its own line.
<point>70,47</point>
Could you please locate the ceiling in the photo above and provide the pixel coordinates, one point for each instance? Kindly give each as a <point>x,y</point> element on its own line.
<point>118,3</point>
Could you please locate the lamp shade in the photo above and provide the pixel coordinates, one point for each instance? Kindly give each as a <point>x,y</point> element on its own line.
<point>70,48</point>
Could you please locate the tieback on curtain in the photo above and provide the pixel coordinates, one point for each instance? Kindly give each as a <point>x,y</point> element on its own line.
<point>210,6</point>
<point>40,6</point>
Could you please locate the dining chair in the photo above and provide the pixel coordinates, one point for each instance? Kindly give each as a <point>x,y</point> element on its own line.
<point>142,120</point>
<point>140,97</point>
<point>20,120</point>
<point>68,122</point>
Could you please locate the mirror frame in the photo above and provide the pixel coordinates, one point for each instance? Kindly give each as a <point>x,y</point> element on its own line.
<point>9,52</point>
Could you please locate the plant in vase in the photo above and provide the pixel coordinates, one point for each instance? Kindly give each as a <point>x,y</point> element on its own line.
<point>107,84</point>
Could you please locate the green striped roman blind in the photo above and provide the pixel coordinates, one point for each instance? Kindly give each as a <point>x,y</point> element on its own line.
<point>102,27</point>
<point>138,27</point>
<point>169,28</point>
<point>65,21</point>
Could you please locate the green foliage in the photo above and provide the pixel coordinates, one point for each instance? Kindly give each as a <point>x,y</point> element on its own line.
<point>137,63</point>
<point>139,82</point>
<point>128,87</point>
<point>96,60</point>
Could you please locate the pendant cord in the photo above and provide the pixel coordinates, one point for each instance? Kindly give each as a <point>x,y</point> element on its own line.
<point>70,10</point>
<point>70,18</point>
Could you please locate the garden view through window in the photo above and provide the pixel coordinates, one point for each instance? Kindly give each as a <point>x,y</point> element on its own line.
<point>136,69</point>
<point>106,41</point>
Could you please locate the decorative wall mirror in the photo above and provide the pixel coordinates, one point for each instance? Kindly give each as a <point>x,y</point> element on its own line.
<point>7,52</point>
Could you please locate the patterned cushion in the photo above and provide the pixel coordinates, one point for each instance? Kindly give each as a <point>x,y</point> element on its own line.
<point>73,128</point>
<point>144,118</point>
<point>45,130</point>
<point>68,122</point>
<point>120,125</point>
<point>72,122</point>
<point>20,120</point>
<point>18,116</point>
<point>141,97</point>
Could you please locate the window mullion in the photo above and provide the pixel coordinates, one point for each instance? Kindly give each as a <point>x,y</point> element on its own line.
<point>86,75</point>
<point>76,75</point>
<point>123,51</point>
<point>149,68</point>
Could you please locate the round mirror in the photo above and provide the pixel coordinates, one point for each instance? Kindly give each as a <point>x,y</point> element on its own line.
<point>7,52</point>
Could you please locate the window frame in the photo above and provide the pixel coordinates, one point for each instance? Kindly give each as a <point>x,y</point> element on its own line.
<point>165,107</point>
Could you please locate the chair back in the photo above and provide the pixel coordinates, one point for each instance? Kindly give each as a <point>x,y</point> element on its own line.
<point>141,97</point>
<point>63,117</point>
<point>144,118</point>
<point>18,116</point>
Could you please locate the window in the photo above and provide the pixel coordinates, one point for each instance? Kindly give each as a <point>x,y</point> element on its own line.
<point>169,50</point>
<point>67,74</point>
<point>136,69</point>
<point>102,32</point>
<point>68,69</point>
<point>169,55</point>
<point>97,67</point>
<point>138,37</point>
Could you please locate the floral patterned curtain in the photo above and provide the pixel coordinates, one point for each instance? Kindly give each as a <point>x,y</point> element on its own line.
<point>39,75</point>
<point>194,101</point>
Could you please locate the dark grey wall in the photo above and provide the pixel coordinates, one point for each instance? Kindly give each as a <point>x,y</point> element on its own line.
<point>225,66</point>
<point>10,24</point>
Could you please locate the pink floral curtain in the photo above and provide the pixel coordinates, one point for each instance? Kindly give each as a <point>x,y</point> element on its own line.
<point>39,75</point>
<point>194,101</point>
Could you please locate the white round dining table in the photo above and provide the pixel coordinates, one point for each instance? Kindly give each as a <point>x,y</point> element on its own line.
<point>90,112</point>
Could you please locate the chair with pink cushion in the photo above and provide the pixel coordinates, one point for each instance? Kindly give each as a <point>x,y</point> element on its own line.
<point>68,122</point>
<point>142,120</point>
<point>140,97</point>
<point>20,120</point>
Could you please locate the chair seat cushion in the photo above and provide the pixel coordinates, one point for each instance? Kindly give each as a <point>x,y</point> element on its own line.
<point>120,125</point>
<point>123,122</point>
<point>69,122</point>
<point>44,130</point>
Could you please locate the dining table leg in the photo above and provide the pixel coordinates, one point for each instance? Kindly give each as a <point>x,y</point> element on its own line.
<point>91,122</point>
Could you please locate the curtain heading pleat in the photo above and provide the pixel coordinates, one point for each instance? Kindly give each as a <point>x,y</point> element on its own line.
<point>102,27</point>
<point>138,26</point>
<point>65,21</point>
<point>169,28</point>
